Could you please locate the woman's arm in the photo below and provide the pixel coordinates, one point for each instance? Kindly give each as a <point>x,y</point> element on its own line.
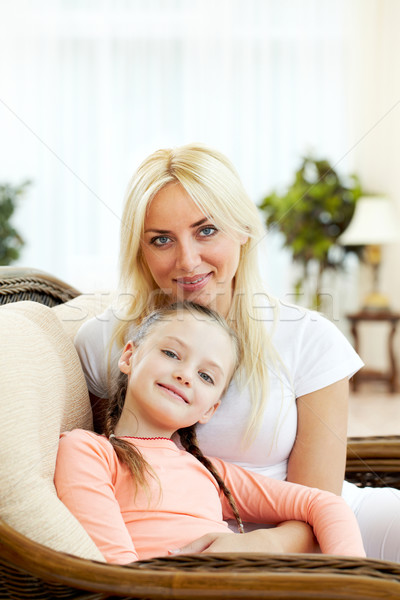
<point>318,457</point>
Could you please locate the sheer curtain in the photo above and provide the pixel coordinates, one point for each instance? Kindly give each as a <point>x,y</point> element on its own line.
<point>89,88</point>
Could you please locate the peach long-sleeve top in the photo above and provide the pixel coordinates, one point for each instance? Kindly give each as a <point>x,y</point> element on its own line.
<point>185,501</point>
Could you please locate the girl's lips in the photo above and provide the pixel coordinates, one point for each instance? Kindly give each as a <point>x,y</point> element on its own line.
<point>173,391</point>
<point>194,283</point>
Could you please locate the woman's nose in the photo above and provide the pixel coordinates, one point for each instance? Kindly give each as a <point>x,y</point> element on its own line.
<point>188,257</point>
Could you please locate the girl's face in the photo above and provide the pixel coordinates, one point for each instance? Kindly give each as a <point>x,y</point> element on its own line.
<point>176,376</point>
<point>186,254</point>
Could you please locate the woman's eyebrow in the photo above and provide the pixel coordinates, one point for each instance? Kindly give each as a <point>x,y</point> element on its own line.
<point>167,231</point>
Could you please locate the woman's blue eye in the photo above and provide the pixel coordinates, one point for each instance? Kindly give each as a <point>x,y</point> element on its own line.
<point>208,231</point>
<point>170,353</point>
<point>206,377</point>
<point>160,240</point>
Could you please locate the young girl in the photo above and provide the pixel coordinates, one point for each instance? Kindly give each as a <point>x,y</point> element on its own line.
<point>138,494</point>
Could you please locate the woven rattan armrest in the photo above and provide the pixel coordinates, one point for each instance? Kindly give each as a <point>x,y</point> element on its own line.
<point>22,283</point>
<point>374,461</point>
<point>31,571</point>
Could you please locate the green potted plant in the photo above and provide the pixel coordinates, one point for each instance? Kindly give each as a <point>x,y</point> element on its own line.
<point>10,240</point>
<point>311,214</point>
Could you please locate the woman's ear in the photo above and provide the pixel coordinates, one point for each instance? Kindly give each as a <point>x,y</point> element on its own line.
<point>125,360</point>
<point>243,239</point>
<point>209,413</point>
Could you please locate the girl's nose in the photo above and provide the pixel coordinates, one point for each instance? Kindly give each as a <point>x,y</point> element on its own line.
<point>183,379</point>
<point>188,257</point>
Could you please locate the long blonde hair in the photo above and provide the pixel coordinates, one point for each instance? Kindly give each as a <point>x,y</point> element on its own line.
<point>214,186</point>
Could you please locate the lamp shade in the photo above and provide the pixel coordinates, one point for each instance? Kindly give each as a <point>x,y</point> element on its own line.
<point>375,221</point>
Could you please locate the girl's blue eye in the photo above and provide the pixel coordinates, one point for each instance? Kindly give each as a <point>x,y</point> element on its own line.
<point>170,354</point>
<point>206,377</point>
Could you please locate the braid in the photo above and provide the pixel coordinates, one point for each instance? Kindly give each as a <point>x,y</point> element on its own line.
<point>127,453</point>
<point>189,442</point>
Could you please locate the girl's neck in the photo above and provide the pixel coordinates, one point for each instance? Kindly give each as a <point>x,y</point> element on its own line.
<point>126,428</point>
<point>139,437</point>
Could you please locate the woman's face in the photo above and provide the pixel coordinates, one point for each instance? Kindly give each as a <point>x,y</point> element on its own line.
<point>188,257</point>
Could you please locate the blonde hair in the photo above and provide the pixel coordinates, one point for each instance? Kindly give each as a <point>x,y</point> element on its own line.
<point>214,186</point>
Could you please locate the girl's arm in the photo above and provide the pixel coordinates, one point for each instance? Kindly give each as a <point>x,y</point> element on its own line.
<point>318,457</point>
<point>83,480</point>
<point>264,500</point>
<point>271,541</point>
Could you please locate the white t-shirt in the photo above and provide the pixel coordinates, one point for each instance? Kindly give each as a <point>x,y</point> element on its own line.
<point>315,354</point>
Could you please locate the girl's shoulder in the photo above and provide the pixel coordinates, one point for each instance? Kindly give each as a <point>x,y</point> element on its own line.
<point>84,441</point>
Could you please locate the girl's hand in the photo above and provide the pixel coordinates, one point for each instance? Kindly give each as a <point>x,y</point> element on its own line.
<point>291,536</point>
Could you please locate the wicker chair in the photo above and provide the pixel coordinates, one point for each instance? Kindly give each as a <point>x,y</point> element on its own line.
<point>31,570</point>
<point>18,284</point>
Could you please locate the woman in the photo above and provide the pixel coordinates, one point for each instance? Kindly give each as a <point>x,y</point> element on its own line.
<point>189,231</point>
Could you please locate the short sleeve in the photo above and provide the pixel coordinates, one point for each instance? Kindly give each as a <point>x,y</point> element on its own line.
<point>314,350</point>
<point>92,343</point>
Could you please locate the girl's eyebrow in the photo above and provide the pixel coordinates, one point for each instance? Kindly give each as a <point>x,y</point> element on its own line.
<point>210,363</point>
<point>167,231</point>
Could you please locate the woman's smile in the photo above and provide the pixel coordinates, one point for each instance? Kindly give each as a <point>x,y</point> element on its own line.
<point>187,255</point>
<point>195,283</point>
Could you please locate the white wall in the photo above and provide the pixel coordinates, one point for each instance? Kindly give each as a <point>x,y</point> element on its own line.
<point>375,110</point>
<point>89,88</point>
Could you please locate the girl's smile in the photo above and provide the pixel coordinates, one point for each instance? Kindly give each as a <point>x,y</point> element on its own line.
<point>176,376</point>
<point>169,389</point>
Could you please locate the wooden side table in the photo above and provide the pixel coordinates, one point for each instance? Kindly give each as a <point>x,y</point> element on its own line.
<point>389,376</point>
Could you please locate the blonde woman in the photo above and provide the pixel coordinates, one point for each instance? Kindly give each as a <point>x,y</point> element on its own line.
<point>190,232</point>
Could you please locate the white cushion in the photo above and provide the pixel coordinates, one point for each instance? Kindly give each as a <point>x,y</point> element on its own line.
<point>43,392</point>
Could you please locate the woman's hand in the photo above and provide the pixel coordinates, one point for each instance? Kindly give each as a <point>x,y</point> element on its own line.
<point>288,537</point>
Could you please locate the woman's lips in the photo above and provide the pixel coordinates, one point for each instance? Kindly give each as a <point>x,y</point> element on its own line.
<point>173,391</point>
<point>194,283</point>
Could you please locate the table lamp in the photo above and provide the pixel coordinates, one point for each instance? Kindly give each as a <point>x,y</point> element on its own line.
<point>375,222</point>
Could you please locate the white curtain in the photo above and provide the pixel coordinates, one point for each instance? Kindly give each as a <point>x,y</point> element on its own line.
<point>88,88</point>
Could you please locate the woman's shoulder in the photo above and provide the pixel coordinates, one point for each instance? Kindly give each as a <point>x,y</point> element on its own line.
<point>294,321</point>
<point>98,328</point>
<point>92,342</point>
<point>315,349</point>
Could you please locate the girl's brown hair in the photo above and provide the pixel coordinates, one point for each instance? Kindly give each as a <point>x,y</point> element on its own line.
<point>127,452</point>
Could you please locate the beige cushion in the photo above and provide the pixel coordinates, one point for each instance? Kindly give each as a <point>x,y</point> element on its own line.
<point>43,392</point>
